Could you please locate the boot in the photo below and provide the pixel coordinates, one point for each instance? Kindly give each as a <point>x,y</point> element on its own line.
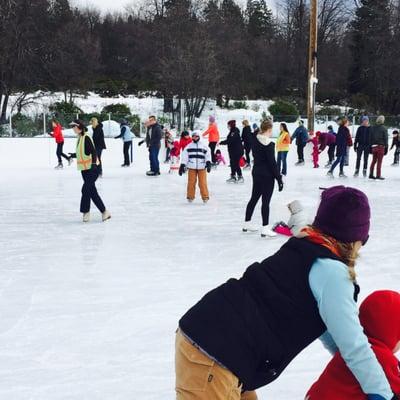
<point>266,231</point>
<point>249,227</point>
<point>232,179</point>
<point>86,217</point>
<point>105,215</point>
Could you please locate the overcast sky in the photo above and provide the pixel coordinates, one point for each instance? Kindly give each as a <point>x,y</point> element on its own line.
<point>118,5</point>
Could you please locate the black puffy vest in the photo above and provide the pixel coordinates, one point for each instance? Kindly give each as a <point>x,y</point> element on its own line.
<point>257,325</point>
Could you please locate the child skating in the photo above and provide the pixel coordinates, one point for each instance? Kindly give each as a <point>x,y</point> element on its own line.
<point>380,318</point>
<point>219,158</point>
<point>196,158</point>
<point>314,140</point>
<point>59,138</point>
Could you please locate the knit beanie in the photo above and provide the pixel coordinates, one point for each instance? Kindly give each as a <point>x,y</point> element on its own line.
<point>364,118</point>
<point>211,119</point>
<point>344,213</point>
<point>255,126</point>
<point>380,120</point>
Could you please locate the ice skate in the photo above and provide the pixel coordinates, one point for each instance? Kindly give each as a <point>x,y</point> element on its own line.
<point>364,173</point>
<point>247,167</point>
<point>356,173</point>
<point>205,201</point>
<point>190,200</point>
<point>151,173</point>
<point>86,217</point>
<point>70,161</point>
<point>124,166</point>
<point>266,231</point>
<point>249,227</point>
<point>59,166</point>
<point>394,164</point>
<point>299,163</point>
<point>371,176</point>
<point>328,164</point>
<point>342,175</point>
<point>105,215</point>
<point>380,178</point>
<point>240,180</point>
<point>232,179</point>
<point>329,174</point>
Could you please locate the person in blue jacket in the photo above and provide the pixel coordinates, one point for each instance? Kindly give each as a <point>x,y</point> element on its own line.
<point>243,334</point>
<point>301,136</point>
<point>126,135</point>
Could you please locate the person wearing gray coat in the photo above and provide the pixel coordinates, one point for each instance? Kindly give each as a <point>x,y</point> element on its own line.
<point>379,142</point>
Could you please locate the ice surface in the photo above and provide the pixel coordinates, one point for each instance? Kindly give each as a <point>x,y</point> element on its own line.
<point>89,311</point>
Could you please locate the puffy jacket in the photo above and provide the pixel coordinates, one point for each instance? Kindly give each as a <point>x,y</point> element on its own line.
<point>212,133</point>
<point>380,317</point>
<point>57,134</point>
<point>126,135</point>
<point>326,139</point>
<point>234,142</point>
<point>196,155</point>
<point>378,136</point>
<point>154,135</point>
<point>301,135</point>
<point>283,141</point>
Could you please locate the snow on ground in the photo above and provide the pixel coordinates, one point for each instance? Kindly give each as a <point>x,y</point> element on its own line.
<point>89,311</point>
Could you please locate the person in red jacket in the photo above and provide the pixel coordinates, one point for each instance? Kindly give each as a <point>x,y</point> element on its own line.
<point>185,140</point>
<point>59,138</point>
<point>380,317</point>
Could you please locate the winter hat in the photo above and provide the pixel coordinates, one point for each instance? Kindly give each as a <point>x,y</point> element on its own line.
<point>196,133</point>
<point>211,119</point>
<point>295,207</point>
<point>344,213</point>
<point>380,120</point>
<point>79,124</point>
<point>364,118</point>
<point>123,121</point>
<point>330,128</point>
<point>255,126</point>
<point>301,122</point>
<point>232,123</point>
<point>380,317</point>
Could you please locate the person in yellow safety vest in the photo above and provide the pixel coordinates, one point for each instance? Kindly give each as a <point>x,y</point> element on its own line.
<point>87,163</point>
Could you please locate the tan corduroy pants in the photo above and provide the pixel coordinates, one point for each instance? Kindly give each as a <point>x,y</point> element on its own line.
<point>200,378</point>
<point>193,175</point>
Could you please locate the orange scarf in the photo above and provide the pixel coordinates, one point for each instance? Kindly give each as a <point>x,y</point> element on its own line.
<point>315,236</point>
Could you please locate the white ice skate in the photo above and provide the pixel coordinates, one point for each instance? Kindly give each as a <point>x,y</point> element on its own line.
<point>232,179</point>
<point>249,227</point>
<point>70,161</point>
<point>86,217</point>
<point>240,180</point>
<point>59,166</point>
<point>105,215</point>
<point>266,231</point>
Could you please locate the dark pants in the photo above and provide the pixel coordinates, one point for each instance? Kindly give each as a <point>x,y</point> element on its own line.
<point>212,146</point>
<point>339,160</point>
<point>378,153</point>
<point>300,152</point>
<point>282,156</point>
<point>89,191</point>
<point>396,155</point>
<point>167,154</point>
<point>127,146</point>
<point>331,152</point>
<point>362,150</point>
<point>153,157</point>
<point>235,165</point>
<point>60,153</point>
<point>247,150</point>
<point>262,187</point>
<point>100,166</point>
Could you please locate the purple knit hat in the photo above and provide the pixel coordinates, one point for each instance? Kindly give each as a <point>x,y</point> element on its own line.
<point>211,119</point>
<point>344,213</point>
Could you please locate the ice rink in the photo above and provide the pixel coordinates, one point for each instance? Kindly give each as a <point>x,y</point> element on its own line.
<point>89,311</point>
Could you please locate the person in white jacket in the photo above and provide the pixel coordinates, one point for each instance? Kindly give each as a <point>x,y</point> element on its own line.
<point>196,158</point>
<point>298,217</point>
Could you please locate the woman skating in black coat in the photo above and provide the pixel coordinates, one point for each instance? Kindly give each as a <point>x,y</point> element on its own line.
<point>247,137</point>
<point>265,172</point>
<point>99,142</point>
<point>235,150</point>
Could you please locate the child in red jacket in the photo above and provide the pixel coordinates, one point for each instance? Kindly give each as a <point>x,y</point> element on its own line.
<point>59,138</point>
<point>380,317</point>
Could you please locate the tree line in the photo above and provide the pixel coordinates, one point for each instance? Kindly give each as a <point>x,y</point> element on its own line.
<point>199,49</point>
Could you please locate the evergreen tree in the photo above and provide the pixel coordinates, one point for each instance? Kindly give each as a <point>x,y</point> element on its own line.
<point>260,19</point>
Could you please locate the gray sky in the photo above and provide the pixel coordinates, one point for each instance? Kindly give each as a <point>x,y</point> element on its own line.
<point>118,5</point>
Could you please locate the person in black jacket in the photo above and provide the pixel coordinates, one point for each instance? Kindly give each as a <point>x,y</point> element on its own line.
<point>235,150</point>
<point>99,142</point>
<point>153,142</point>
<point>361,146</point>
<point>247,136</point>
<point>265,172</point>
<point>396,145</point>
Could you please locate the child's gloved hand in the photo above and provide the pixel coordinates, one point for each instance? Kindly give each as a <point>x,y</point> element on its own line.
<point>181,169</point>
<point>208,166</point>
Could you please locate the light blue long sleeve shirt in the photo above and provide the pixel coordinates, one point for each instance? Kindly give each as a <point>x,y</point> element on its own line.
<point>333,290</point>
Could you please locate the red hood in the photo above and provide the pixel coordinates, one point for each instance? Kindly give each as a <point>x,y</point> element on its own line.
<point>380,317</point>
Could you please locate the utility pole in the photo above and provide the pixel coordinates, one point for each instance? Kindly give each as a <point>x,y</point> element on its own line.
<point>312,64</point>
